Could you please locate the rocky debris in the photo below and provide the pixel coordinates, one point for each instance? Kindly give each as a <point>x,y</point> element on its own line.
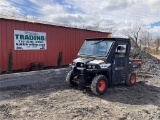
<point>56,101</point>
<point>53,99</point>
<point>150,64</point>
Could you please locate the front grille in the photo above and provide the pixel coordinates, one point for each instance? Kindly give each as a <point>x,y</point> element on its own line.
<point>78,71</point>
<point>79,64</point>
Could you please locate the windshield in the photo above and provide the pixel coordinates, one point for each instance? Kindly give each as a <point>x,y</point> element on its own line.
<point>97,48</point>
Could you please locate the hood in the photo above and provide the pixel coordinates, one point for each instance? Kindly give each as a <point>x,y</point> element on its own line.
<point>83,60</point>
<point>96,61</point>
<point>92,61</point>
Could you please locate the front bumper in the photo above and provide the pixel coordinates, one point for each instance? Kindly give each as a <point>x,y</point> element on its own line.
<point>80,74</point>
<point>84,75</point>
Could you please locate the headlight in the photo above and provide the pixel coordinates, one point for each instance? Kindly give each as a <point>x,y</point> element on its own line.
<point>73,63</point>
<point>89,66</point>
<point>93,66</point>
<point>81,64</point>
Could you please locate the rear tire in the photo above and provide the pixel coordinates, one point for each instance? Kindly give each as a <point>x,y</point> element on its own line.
<point>70,78</point>
<point>131,79</point>
<point>99,85</point>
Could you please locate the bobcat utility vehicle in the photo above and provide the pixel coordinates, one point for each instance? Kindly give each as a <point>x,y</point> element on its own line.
<point>103,61</point>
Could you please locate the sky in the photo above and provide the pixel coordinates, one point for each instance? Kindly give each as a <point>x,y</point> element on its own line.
<point>102,13</point>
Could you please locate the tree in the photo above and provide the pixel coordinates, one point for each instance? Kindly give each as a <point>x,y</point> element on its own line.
<point>10,61</point>
<point>157,44</point>
<point>145,39</point>
<point>133,32</point>
<point>59,60</point>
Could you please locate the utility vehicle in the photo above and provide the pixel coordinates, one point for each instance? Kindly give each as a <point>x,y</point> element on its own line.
<point>103,61</point>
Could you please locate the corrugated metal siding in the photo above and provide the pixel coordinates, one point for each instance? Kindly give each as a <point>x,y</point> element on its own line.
<point>0,47</point>
<point>69,40</point>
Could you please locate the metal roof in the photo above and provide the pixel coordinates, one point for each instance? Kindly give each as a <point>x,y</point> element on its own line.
<point>43,22</point>
<point>113,39</point>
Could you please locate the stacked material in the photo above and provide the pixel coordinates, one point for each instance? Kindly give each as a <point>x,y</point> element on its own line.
<point>150,64</point>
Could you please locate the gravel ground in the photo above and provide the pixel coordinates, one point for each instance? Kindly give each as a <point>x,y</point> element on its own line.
<point>26,78</point>
<point>52,99</point>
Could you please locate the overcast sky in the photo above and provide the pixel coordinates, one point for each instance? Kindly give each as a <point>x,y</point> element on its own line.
<point>105,13</point>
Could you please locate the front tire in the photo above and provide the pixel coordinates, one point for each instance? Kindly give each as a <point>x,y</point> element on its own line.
<point>99,85</point>
<point>70,79</point>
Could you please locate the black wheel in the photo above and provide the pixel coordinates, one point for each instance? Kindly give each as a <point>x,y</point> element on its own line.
<point>131,79</point>
<point>69,79</point>
<point>99,85</point>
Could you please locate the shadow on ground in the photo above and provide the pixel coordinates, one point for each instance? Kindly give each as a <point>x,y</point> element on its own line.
<point>140,94</point>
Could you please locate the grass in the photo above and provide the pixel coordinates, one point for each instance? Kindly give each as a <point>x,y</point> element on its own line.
<point>157,56</point>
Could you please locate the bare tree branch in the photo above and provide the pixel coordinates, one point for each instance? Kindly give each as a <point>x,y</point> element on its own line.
<point>133,32</point>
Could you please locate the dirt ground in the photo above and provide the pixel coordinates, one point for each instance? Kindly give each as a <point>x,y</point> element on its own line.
<point>54,100</point>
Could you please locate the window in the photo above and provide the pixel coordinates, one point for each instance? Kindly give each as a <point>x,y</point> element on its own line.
<point>120,51</point>
<point>98,48</point>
